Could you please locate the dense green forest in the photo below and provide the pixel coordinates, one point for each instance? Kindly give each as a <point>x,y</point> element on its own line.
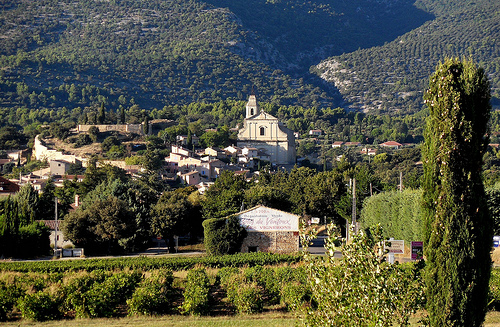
<point>58,53</point>
<point>392,78</point>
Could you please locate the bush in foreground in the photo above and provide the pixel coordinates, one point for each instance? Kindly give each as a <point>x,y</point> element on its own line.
<point>153,294</point>
<point>196,293</point>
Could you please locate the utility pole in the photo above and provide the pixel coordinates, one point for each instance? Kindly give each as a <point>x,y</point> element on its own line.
<point>354,205</point>
<point>55,236</point>
<point>400,181</point>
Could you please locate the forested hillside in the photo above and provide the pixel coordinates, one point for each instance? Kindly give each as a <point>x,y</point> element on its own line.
<point>61,53</point>
<point>391,78</point>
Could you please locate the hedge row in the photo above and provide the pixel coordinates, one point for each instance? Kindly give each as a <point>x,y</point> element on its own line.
<point>150,263</point>
<point>97,294</point>
<point>41,297</point>
<point>250,289</point>
<point>398,213</point>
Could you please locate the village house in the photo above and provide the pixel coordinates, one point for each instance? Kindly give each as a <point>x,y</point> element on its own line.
<point>337,144</point>
<point>59,167</point>
<point>315,132</point>
<point>7,187</point>
<point>391,144</point>
<point>183,140</point>
<point>191,178</point>
<point>368,151</point>
<point>56,234</point>
<point>214,152</point>
<point>232,151</point>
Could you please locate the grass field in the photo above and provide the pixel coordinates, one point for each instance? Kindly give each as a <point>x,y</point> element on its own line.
<point>270,319</point>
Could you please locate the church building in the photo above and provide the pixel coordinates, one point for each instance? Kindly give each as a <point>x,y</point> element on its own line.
<point>267,134</point>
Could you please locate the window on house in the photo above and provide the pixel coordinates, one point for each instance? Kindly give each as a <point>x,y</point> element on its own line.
<point>262,131</point>
<point>251,112</point>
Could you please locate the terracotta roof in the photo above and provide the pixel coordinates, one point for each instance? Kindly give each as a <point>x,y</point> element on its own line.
<point>51,224</point>
<point>391,143</point>
<point>8,187</point>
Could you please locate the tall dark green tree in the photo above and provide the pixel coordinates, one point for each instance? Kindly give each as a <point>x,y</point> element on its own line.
<point>458,232</point>
<point>101,117</point>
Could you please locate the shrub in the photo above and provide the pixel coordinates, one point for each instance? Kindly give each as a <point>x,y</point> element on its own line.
<point>103,298</point>
<point>196,293</point>
<point>75,289</point>
<point>265,279</point>
<point>494,293</point>
<point>246,297</point>
<point>224,274</point>
<point>9,294</point>
<point>223,235</point>
<point>152,297</point>
<point>294,295</point>
<point>33,240</point>
<point>390,293</point>
<point>40,306</point>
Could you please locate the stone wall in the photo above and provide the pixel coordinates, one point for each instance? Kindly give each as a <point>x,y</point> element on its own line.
<point>126,128</point>
<point>42,153</point>
<point>275,242</point>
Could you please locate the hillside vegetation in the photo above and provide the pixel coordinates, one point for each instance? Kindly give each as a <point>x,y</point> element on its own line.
<point>61,53</point>
<point>393,77</point>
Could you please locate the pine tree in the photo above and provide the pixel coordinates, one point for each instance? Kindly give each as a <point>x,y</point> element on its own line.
<point>458,231</point>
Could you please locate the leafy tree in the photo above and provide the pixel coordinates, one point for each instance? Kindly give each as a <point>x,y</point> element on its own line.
<point>225,197</point>
<point>47,204</point>
<point>458,230</point>
<point>106,226</point>
<point>172,215</point>
<point>28,204</point>
<point>93,133</point>
<point>109,142</point>
<point>11,138</point>
<point>267,195</point>
<point>83,139</point>
<point>390,293</point>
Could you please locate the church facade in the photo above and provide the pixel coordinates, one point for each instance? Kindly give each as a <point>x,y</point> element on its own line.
<point>267,134</point>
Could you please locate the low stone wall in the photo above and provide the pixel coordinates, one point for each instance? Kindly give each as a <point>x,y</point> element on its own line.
<point>275,242</point>
<point>126,128</point>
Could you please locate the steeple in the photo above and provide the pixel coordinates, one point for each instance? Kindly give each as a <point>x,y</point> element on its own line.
<point>252,106</point>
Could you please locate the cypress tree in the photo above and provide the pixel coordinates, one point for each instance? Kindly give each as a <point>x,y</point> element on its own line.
<point>458,229</point>
<point>122,115</point>
<point>102,115</point>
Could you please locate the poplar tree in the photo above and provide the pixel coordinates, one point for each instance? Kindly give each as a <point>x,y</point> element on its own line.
<point>458,228</point>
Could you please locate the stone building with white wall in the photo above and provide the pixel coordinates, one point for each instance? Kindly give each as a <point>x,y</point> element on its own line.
<point>269,230</point>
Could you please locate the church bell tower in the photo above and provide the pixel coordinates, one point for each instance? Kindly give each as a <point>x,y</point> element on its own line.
<point>252,106</point>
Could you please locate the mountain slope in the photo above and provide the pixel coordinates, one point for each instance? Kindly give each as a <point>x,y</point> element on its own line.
<point>62,53</point>
<point>122,52</point>
<point>391,78</point>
